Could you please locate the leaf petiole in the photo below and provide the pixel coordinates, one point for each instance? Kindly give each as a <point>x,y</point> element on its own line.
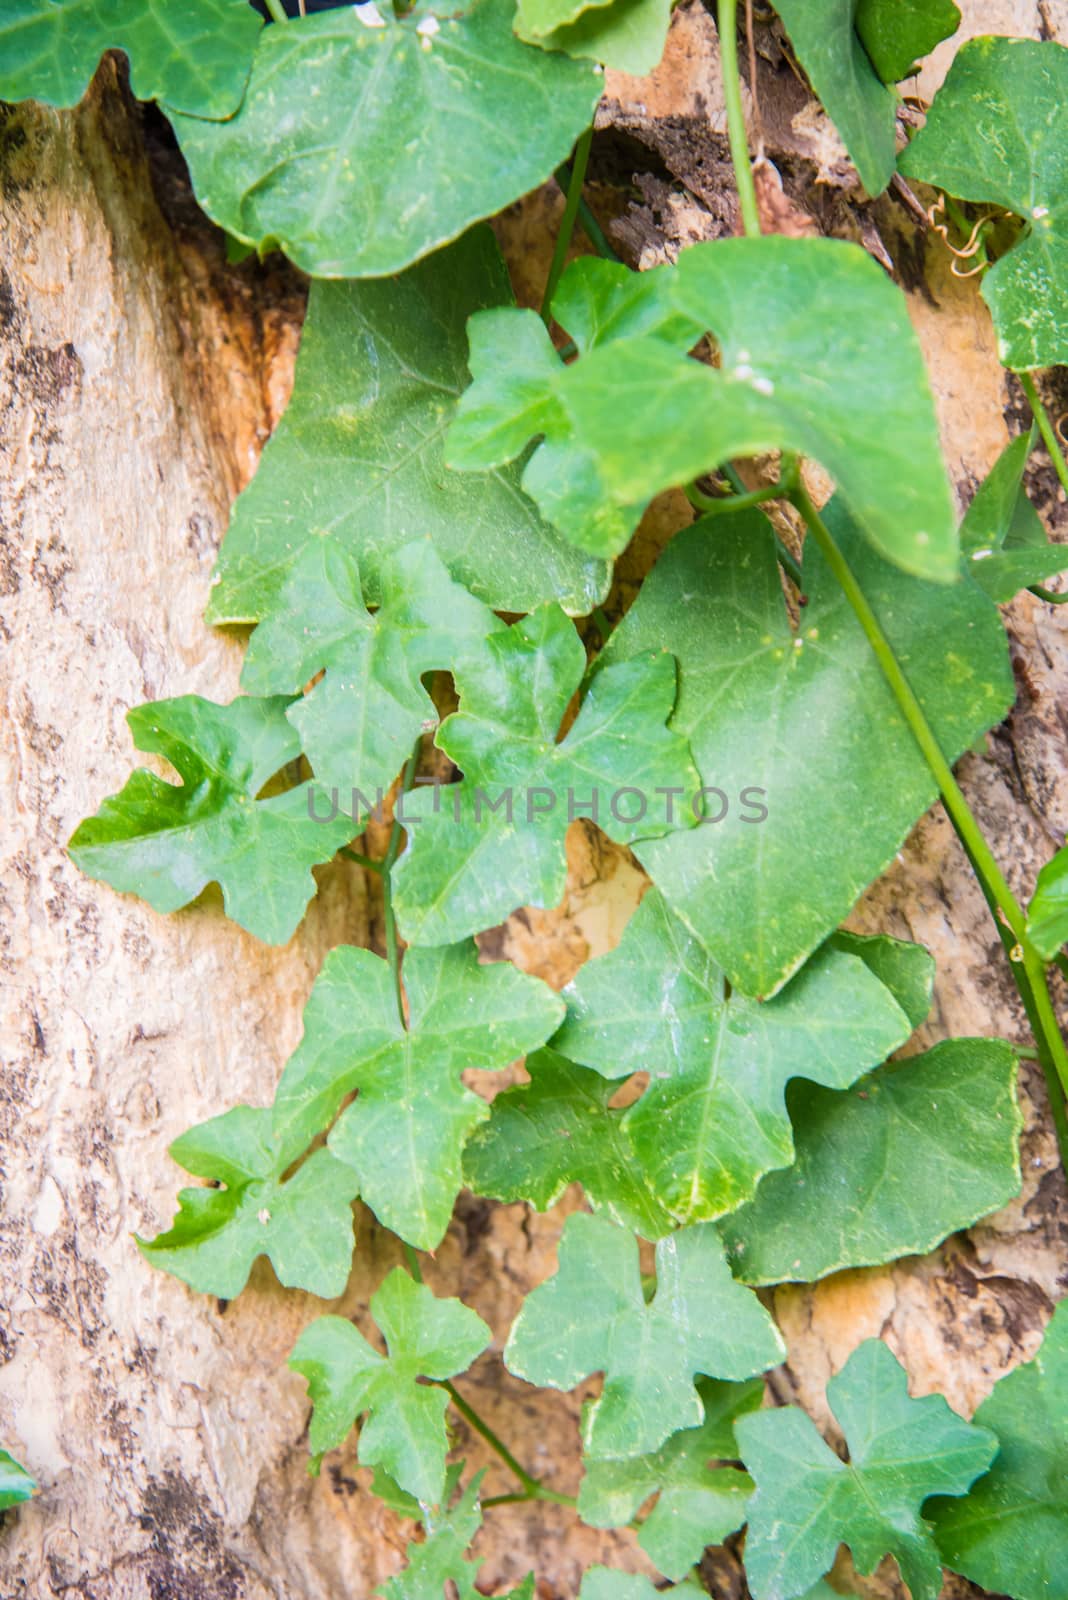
<point>1046,429</point>
<point>367,862</point>
<point>533,1490</point>
<point>727,25</point>
<point>277,10</point>
<point>386,867</point>
<point>567,223</point>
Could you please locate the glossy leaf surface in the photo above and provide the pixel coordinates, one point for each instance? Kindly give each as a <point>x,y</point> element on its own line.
<point>898,33</point>
<point>626,35</point>
<point>1002,538</point>
<point>1047,915</point>
<point>16,1484</point>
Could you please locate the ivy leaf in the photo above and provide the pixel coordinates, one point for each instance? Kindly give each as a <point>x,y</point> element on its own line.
<point>636,414</point>
<point>1002,537</point>
<point>699,1503</point>
<point>358,724</point>
<point>356,460</point>
<point>592,1317</point>
<point>807,721</point>
<point>906,969</point>
<point>808,1501</point>
<point>608,1583</point>
<point>16,1484</point>
<point>496,841</point>
<point>404,1134</point>
<point>1011,1531</point>
<point>440,1559</point>
<point>1047,915</point>
<point>557,1130</point>
<point>891,1167</point>
<point>303,1225</point>
<point>405,1430</point>
<point>351,196</point>
<point>898,33</point>
<point>713,1119</point>
<point>626,35</point>
<point>166,842</point>
<point>195,56</point>
<point>996,134</point>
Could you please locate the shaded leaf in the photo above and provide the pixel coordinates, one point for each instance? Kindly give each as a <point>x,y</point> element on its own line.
<point>808,1500</point>
<point>496,841</point>
<point>626,35</point>
<point>713,1119</point>
<point>405,1428</point>
<point>1047,915</point>
<point>898,33</point>
<point>356,460</point>
<point>440,1559</point>
<point>1002,537</point>
<point>808,721</point>
<point>405,1132</point>
<point>997,133</point>
<point>16,1484</point>
<point>591,1316</point>
<point>891,1167</point>
<point>166,842</point>
<point>386,157</point>
<point>302,1225</point>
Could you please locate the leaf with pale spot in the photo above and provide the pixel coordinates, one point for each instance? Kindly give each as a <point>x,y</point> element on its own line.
<point>1002,538</point>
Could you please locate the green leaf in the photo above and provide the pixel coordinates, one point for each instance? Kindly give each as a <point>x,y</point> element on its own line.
<point>1047,915</point>
<point>359,149</point>
<point>440,1558</point>
<point>405,1429</point>
<point>592,1317</point>
<point>805,720</point>
<point>608,1583</point>
<point>358,724</point>
<point>16,1484</point>
<point>635,414</point>
<point>997,134</point>
<point>195,55</point>
<point>627,35</point>
<point>166,842</point>
<point>303,1225</point>
<point>468,865</point>
<point>558,1130</point>
<point>1011,1531</point>
<point>405,1132</point>
<point>808,1501</point>
<point>899,33</point>
<point>1002,537</point>
<point>713,1119</point>
<point>889,1168</point>
<point>699,1503</point>
<point>356,460</point>
<point>907,970</point>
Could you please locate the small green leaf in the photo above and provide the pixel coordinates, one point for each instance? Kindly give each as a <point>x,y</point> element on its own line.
<point>195,55</point>
<point>699,1503</point>
<point>808,1500</point>
<point>167,842</point>
<point>803,720</point>
<point>496,841</point>
<point>1002,538</point>
<point>1010,1533</point>
<point>303,1226</point>
<point>16,1484</point>
<point>405,1132</point>
<point>358,724</point>
<point>635,414</point>
<point>360,148</point>
<point>356,460</point>
<point>534,19</point>
<point>558,1130</point>
<point>899,33</point>
<point>889,1168</point>
<point>593,1317</point>
<point>440,1560</point>
<point>626,35</point>
<point>1047,915</point>
<point>713,1119</point>
<point>997,133</point>
<point>405,1428</point>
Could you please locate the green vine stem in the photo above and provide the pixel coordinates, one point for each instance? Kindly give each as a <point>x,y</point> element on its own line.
<point>567,224</point>
<point>277,10</point>
<point>727,24</point>
<point>1045,428</point>
<point>593,230</point>
<point>385,867</point>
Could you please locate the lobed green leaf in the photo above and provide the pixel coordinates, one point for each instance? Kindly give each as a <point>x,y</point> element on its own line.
<point>16,1484</point>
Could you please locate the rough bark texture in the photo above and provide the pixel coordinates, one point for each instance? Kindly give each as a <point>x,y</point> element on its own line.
<point>138,378</point>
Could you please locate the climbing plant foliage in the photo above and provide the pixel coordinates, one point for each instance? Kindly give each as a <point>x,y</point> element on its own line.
<point>424,553</point>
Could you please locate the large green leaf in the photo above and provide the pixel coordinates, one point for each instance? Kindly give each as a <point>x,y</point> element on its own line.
<point>806,719</point>
<point>557,1130</point>
<point>1047,915</point>
<point>699,1501</point>
<point>888,1168</point>
<point>357,457</point>
<point>592,1316</point>
<point>998,133</point>
<point>808,1500</point>
<point>899,33</point>
<point>405,1429</point>
<point>1011,1532</point>
<point>359,722</point>
<point>1002,537</point>
<point>636,414</point>
<point>166,842</point>
<point>303,1225</point>
<point>16,1484</point>
<point>713,1119</point>
<point>478,850</point>
<point>405,1132</point>
<point>195,55</point>
<point>627,35</point>
<point>360,148</point>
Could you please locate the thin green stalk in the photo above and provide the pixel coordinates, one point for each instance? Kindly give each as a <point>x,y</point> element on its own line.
<point>1048,595</point>
<point>1045,428</point>
<point>1060,961</point>
<point>392,852</point>
<point>367,862</point>
<point>413,1262</point>
<point>533,1490</point>
<point>567,225</point>
<point>591,227</point>
<point>711,504</point>
<point>727,23</point>
<point>277,10</point>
